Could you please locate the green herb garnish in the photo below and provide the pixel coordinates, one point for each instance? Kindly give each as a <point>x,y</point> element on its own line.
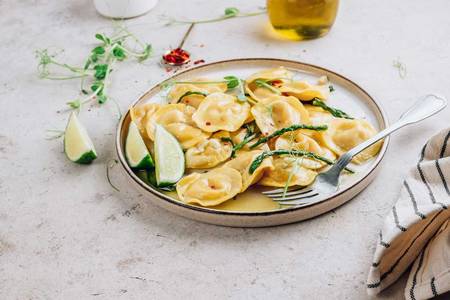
<point>229,12</point>
<point>109,165</point>
<point>298,153</point>
<point>188,93</point>
<point>288,129</point>
<point>266,84</point>
<point>98,65</point>
<point>232,82</point>
<point>249,136</point>
<point>331,88</point>
<point>334,111</point>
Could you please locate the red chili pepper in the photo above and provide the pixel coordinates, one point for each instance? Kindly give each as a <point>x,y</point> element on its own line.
<point>176,56</point>
<point>276,82</point>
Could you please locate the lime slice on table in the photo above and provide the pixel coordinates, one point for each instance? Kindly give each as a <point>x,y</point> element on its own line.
<point>77,143</point>
<point>135,149</point>
<point>169,158</point>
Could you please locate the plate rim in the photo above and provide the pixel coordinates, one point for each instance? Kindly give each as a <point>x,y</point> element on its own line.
<point>161,196</point>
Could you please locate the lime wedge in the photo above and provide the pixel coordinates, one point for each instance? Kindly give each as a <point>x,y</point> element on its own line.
<point>135,149</point>
<point>169,157</point>
<point>77,144</point>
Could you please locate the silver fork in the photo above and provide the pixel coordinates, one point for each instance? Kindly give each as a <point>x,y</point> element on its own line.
<point>328,182</point>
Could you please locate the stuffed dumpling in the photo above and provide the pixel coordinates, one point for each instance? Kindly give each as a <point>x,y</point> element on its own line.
<point>288,171</point>
<point>272,77</point>
<point>242,164</point>
<point>141,113</point>
<point>280,113</point>
<point>298,141</point>
<point>193,94</point>
<point>210,188</point>
<point>208,154</point>
<point>305,91</point>
<point>344,134</point>
<point>177,119</point>
<point>221,111</point>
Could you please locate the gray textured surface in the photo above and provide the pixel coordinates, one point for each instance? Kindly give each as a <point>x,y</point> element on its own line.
<point>65,234</point>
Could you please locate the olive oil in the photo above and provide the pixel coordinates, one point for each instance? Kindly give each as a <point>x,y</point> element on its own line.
<point>302,19</point>
<point>250,200</point>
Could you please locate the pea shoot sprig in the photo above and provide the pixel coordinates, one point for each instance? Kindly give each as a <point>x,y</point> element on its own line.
<point>97,68</point>
<point>267,85</point>
<point>229,13</point>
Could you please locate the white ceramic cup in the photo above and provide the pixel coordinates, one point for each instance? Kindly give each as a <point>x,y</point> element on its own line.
<point>123,8</point>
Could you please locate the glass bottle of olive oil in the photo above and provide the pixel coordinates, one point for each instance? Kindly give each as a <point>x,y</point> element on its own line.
<point>302,19</point>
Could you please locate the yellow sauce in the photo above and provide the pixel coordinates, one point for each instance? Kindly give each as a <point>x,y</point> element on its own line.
<point>251,200</point>
<point>302,19</point>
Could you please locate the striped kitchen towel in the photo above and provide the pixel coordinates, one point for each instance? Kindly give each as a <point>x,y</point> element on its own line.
<point>417,228</point>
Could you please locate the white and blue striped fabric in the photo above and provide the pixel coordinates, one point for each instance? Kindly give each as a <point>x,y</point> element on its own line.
<point>417,230</point>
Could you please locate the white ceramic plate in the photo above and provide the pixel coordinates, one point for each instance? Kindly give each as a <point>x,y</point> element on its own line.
<point>347,96</point>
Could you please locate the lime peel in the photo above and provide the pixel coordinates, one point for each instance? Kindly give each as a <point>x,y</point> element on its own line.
<point>78,146</point>
<point>136,151</point>
<point>169,158</point>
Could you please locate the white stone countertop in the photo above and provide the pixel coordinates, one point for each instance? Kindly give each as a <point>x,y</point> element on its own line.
<point>66,234</point>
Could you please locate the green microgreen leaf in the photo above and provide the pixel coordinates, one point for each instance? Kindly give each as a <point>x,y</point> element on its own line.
<point>97,87</point>
<point>101,99</point>
<point>119,53</point>
<point>331,88</point>
<point>75,104</point>
<point>231,81</point>
<point>103,38</point>
<point>231,11</point>
<point>100,71</point>
<point>98,50</point>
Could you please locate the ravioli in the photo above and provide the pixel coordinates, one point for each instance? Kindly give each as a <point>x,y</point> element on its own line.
<point>298,141</point>
<point>221,111</point>
<point>242,164</point>
<point>318,116</point>
<point>239,136</point>
<point>210,188</point>
<point>288,171</point>
<point>177,119</point>
<point>304,91</point>
<point>141,113</point>
<point>344,134</point>
<point>280,113</point>
<point>260,94</point>
<point>280,73</point>
<point>208,154</point>
<point>194,100</point>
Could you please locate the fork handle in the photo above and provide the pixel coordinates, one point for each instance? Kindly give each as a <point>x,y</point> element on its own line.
<point>422,109</point>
